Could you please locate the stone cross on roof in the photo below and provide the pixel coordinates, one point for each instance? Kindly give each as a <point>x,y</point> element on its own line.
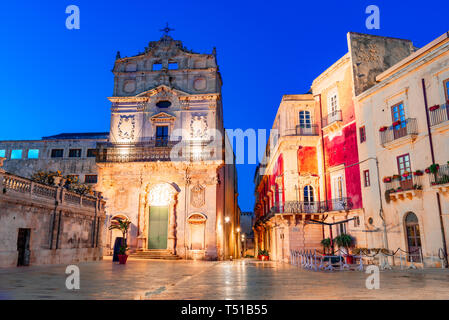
<point>166,30</point>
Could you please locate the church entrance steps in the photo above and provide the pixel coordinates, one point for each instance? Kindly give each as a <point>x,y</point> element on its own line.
<point>154,254</point>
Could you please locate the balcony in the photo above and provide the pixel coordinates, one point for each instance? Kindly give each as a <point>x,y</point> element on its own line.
<point>157,150</point>
<point>440,179</point>
<point>332,121</point>
<point>315,207</point>
<point>307,130</point>
<point>439,116</point>
<point>400,188</point>
<point>395,135</point>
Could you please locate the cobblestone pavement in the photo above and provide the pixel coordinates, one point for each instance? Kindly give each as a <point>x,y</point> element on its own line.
<point>243,279</point>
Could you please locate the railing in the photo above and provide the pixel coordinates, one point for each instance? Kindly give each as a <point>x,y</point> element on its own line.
<point>441,176</point>
<point>153,151</point>
<point>307,130</point>
<point>293,207</point>
<point>404,183</point>
<point>439,115</point>
<point>331,118</point>
<point>403,129</point>
<point>14,185</point>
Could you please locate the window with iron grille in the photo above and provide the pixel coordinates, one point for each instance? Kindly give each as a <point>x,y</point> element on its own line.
<point>57,153</point>
<point>90,178</point>
<point>75,153</point>
<point>91,153</point>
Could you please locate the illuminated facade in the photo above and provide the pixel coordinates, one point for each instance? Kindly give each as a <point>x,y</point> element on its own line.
<point>163,166</point>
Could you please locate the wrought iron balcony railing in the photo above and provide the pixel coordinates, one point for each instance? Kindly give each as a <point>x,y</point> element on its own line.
<point>307,130</point>
<point>401,183</point>
<point>293,207</point>
<point>331,118</point>
<point>440,177</point>
<point>405,128</point>
<point>158,150</point>
<point>439,114</point>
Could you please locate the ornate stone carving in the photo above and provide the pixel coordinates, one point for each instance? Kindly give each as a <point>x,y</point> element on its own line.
<point>198,127</point>
<point>198,195</point>
<point>161,195</point>
<point>126,127</point>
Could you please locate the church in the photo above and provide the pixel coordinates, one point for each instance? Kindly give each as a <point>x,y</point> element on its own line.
<point>163,166</point>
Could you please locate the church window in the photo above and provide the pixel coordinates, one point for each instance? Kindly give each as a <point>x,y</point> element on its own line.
<point>163,104</point>
<point>33,153</point>
<point>16,154</point>
<point>173,66</point>
<point>57,153</point>
<point>75,153</point>
<point>157,66</point>
<point>161,136</point>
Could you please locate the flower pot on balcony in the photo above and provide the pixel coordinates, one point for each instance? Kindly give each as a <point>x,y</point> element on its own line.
<point>396,123</point>
<point>122,258</point>
<point>382,129</point>
<point>435,107</point>
<point>387,179</point>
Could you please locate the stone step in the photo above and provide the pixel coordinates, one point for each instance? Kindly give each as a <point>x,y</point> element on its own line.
<point>154,254</point>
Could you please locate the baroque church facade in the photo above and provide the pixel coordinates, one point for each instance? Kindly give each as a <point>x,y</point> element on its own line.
<point>163,166</point>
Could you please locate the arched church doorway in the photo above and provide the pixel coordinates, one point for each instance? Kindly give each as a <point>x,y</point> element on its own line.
<point>413,237</point>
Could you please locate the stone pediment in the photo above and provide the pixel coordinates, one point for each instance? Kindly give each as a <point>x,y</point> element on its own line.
<point>162,117</point>
<point>162,90</point>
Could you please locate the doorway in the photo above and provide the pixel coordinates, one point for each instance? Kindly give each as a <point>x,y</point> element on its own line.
<point>158,227</point>
<point>23,247</point>
<point>413,237</point>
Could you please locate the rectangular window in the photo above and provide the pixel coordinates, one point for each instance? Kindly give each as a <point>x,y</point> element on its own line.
<point>356,221</point>
<point>3,153</point>
<point>33,153</point>
<point>161,136</point>
<point>57,153</point>
<point>367,182</point>
<point>157,66</point>
<point>90,178</point>
<point>362,132</point>
<point>16,154</point>
<point>75,153</point>
<point>91,153</point>
<point>404,168</point>
<point>173,66</point>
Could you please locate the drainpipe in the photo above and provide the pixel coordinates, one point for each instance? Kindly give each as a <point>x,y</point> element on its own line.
<point>443,235</point>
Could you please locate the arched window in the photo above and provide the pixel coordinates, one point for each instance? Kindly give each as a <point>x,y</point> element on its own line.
<point>305,120</point>
<point>308,195</point>
<point>413,237</point>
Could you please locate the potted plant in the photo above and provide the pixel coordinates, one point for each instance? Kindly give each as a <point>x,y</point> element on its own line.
<point>263,255</point>
<point>387,179</point>
<point>418,173</point>
<point>433,168</point>
<point>382,129</point>
<point>435,107</point>
<point>396,123</point>
<point>326,245</point>
<point>417,187</point>
<point>405,174</point>
<point>399,189</point>
<point>345,241</point>
<point>396,177</point>
<point>123,226</point>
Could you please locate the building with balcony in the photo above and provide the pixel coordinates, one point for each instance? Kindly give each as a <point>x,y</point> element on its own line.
<point>404,148</point>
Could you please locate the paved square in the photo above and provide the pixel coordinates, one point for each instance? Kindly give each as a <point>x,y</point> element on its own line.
<point>243,279</point>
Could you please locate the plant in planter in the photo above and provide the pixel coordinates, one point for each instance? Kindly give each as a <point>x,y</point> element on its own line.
<point>435,107</point>
<point>382,129</point>
<point>396,177</point>
<point>399,189</point>
<point>396,123</point>
<point>326,245</point>
<point>405,174</point>
<point>418,173</point>
<point>123,226</point>
<point>417,187</point>
<point>387,179</point>
<point>345,241</point>
<point>263,255</point>
<point>433,168</point>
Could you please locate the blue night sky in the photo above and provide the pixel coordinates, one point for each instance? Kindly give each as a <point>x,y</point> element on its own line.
<point>56,80</point>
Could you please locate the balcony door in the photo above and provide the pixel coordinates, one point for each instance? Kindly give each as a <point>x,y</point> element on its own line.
<point>161,136</point>
<point>413,237</point>
<point>309,200</point>
<point>403,167</point>
<point>398,114</point>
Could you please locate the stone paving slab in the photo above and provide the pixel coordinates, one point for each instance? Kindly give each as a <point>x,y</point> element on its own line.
<point>242,279</point>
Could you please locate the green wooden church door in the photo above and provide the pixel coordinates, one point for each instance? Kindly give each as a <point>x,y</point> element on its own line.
<point>157,229</point>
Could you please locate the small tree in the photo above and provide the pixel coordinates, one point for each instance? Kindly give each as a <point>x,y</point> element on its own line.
<point>326,244</point>
<point>122,225</point>
<point>344,241</point>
